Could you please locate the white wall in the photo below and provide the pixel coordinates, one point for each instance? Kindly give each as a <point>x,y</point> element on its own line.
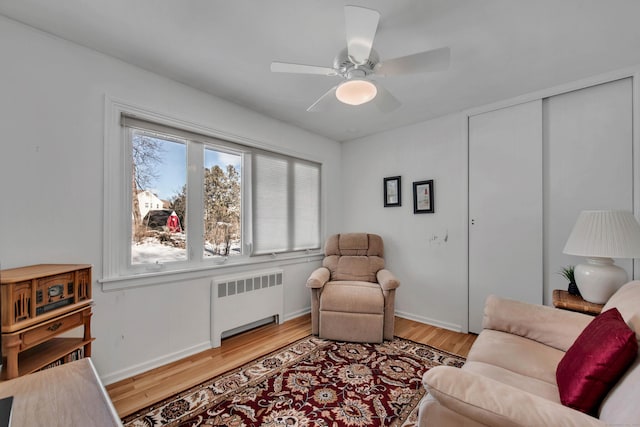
<point>433,270</point>
<point>428,252</point>
<point>51,195</point>
<point>51,187</point>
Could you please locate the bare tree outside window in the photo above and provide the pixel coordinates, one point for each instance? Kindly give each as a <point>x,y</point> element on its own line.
<point>146,153</point>
<point>159,170</point>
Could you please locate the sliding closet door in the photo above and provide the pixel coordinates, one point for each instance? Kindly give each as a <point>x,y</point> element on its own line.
<point>505,207</point>
<point>588,144</point>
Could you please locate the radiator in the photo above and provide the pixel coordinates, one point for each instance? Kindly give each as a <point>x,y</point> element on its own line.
<point>240,300</point>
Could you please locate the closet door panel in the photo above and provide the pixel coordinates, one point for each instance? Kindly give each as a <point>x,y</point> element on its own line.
<point>505,207</point>
<point>588,146</point>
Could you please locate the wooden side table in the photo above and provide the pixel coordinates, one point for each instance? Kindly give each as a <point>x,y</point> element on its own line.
<point>566,301</point>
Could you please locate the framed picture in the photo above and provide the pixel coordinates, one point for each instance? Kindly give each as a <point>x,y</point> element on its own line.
<point>392,192</point>
<point>423,197</point>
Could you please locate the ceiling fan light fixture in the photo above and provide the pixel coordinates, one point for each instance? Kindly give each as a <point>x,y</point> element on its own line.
<point>356,92</point>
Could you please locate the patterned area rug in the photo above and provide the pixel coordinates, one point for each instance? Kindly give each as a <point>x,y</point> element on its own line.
<point>310,383</point>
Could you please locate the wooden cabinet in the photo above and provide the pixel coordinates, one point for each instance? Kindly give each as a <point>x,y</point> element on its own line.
<point>39,303</point>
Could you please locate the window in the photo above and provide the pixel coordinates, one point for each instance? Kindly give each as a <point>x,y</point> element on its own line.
<point>222,209</point>
<point>162,159</point>
<point>286,204</point>
<point>159,171</point>
<point>196,200</point>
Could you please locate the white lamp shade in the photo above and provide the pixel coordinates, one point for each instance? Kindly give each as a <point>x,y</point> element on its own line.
<point>600,236</point>
<point>356,92</point>
<point>607,234</point>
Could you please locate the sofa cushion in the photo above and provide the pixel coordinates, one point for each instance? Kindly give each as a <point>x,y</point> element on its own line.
<point>620,407</point>
<point>627,301</point>
<point>492,403</point>
<point>523,382</point>
<point>593,364</point>
<point>536,322</point>
<point>516,354</point>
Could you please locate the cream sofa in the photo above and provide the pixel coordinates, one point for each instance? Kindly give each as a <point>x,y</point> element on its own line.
<point>509,377</point>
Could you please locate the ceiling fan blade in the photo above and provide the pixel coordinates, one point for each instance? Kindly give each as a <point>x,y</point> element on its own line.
<point>385,101</point>
<point>361,25</point>
<point>325,101</point>
<point>287,67</point>
<point>431,60</point>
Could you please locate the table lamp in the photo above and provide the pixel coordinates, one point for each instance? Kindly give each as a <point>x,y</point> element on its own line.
<point>600,236</point>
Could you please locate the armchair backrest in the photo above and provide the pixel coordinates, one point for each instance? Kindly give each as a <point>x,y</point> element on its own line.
<point>354,256</point>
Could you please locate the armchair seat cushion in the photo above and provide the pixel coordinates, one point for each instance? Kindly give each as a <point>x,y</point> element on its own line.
<point>352,297</point>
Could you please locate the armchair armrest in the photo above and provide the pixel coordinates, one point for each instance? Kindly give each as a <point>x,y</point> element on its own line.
<point>318,277</point>
<point>493,403</point>
<point>387,280</point>
<point>551,326</point>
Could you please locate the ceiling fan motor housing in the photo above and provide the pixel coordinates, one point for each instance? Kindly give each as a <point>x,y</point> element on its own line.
<point>348,69</point>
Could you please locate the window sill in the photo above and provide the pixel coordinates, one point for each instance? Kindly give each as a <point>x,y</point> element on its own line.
<point>206,270</point>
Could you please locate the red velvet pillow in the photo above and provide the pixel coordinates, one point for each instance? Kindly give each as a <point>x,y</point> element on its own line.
<point>595,362</point>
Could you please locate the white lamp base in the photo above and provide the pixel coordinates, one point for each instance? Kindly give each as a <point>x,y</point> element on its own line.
<point>598,279</point>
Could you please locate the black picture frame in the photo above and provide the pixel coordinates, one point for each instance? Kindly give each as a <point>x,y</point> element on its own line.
<point>423,197</point>
<point>392,191</point>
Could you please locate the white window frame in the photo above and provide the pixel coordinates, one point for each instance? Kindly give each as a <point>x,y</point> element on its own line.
<point>195,145</point>
<point>117,273</point>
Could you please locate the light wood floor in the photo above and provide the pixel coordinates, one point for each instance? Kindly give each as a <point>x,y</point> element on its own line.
<point>142,390</point>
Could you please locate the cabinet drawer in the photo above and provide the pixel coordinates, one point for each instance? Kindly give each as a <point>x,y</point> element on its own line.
<point>50,329</point>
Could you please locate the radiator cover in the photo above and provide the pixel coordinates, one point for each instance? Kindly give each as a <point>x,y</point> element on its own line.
<point>243,299</point>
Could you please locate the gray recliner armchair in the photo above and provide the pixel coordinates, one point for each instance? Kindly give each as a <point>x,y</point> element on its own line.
<point>352,294</point>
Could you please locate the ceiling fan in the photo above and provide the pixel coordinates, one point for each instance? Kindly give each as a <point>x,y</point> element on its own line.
<point>358,62</point>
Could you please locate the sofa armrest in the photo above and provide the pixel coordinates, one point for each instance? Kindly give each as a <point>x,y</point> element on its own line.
<point>387,280</point>
<point>547,325</point>
<point>318,278</point>
<point>493,403</point>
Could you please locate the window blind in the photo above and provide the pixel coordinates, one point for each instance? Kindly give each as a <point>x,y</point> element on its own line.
<point>286,204</point>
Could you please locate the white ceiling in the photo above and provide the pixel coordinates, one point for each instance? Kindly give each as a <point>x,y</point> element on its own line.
<point>499,48</point>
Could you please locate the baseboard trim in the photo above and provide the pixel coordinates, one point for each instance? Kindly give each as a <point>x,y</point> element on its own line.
<point>163,360</point>
<point>154,363</point>
<point>296,314</point>
<point>429,321</point>
<point>169,358</point>
<point>403,314</point>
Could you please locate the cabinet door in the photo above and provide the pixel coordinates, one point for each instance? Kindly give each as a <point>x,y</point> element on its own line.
<point>505,207</point>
